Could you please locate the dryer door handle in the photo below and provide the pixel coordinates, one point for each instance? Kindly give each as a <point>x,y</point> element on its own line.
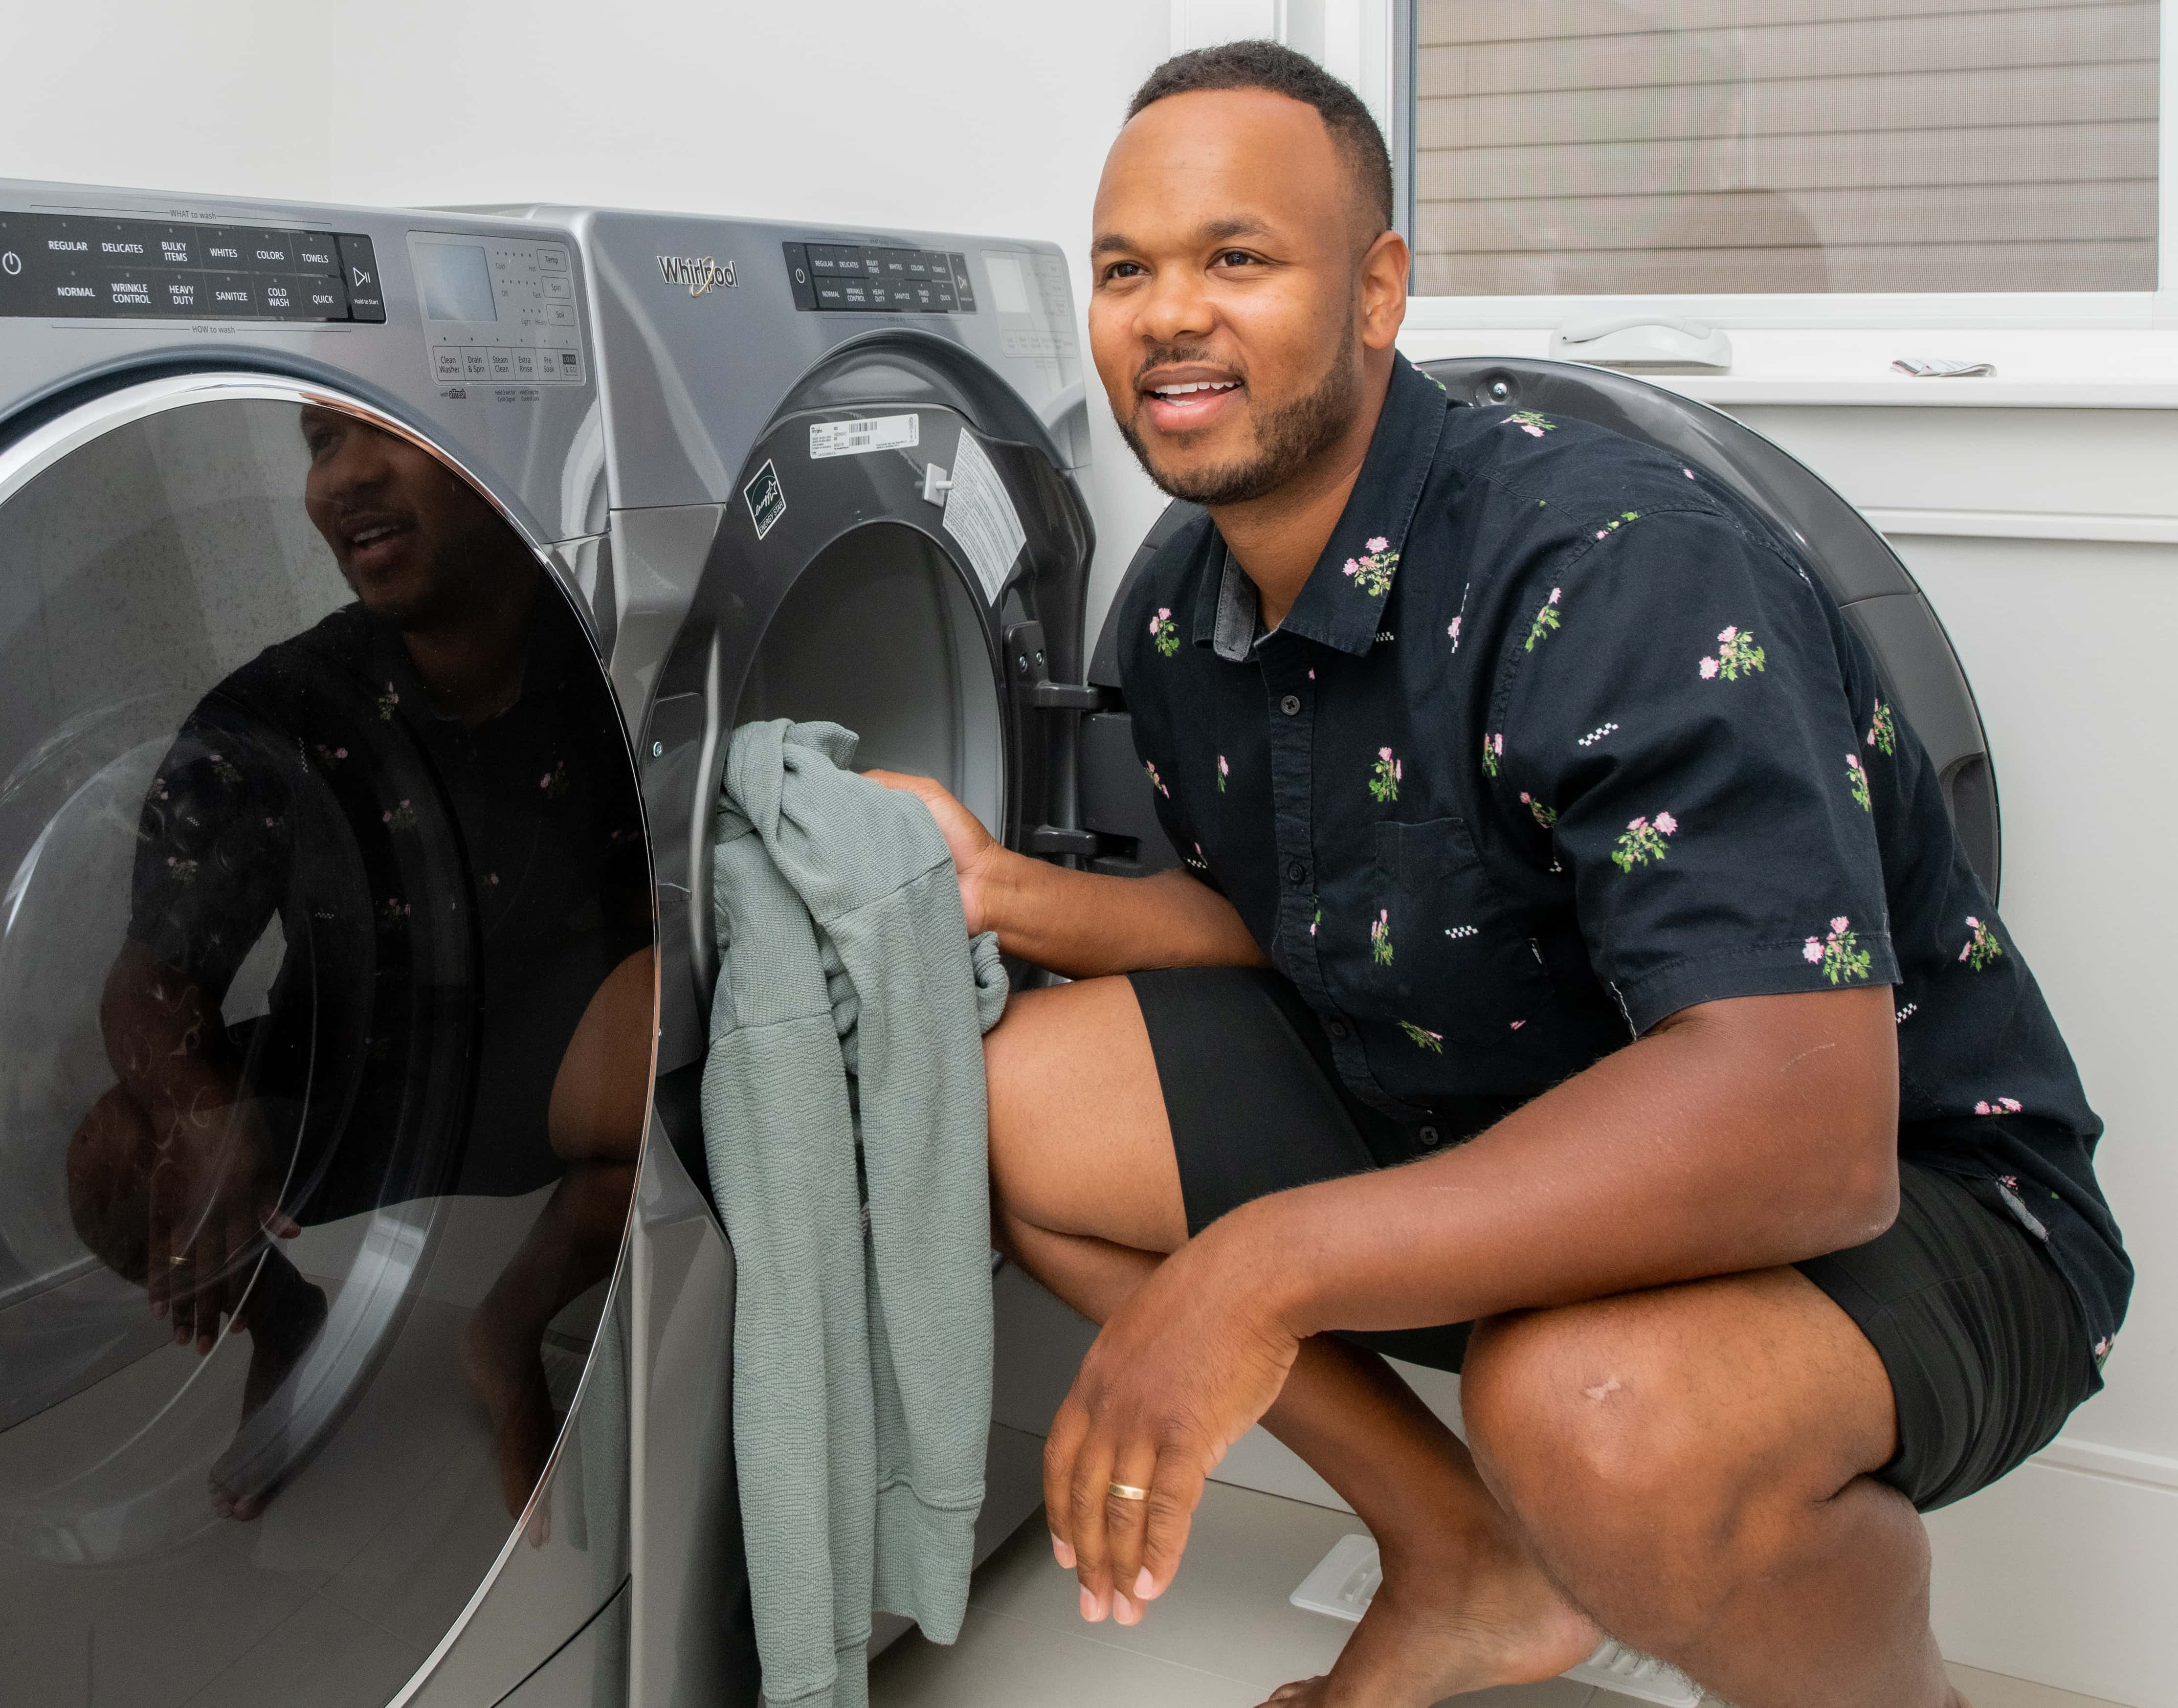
<point>703,938</point>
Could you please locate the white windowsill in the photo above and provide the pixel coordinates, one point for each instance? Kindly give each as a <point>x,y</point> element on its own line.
<point>2069,368</point>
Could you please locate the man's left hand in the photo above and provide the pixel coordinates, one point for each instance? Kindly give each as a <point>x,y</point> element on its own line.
<point>1179,1373</point>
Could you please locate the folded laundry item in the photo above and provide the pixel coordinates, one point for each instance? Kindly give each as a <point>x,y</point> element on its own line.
<point>844,1123</point>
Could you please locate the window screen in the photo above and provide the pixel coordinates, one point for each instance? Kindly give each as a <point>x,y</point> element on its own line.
<point>1638,146</point>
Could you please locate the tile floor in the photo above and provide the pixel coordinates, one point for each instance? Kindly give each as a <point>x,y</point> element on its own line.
<point>1222,1637</point>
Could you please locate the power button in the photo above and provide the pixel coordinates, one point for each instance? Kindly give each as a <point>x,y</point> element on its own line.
<point>11,263</point>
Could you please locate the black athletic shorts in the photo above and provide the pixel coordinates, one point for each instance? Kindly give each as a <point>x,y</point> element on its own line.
<point>1986,1349</point>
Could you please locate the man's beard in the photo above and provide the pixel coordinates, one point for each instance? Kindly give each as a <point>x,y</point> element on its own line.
<point>1288,439</point>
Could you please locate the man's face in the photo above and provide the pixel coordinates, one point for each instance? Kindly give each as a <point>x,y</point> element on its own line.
<point>406,531</point>
<point>1226,315</point>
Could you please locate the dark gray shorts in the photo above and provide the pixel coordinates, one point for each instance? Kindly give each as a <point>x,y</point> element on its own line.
<point>1985,1347</point>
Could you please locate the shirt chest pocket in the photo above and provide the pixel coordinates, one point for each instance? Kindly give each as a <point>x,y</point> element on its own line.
<point>1457,958</point>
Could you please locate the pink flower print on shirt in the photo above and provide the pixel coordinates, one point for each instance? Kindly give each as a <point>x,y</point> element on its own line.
<point>1380,938</point>
<point>1688,472</point>
<point>1155,782</point>
<point>1423,1037</point>
<point>1224,771</point>
<point>1857,779</point>
<point>1736,656</point>
<point>386,701</point>
<point>1883,731</point>
<point>1999,1106</point>
<point>1529,423</point>
<point>1839,956</point>
<point>402,817</point>
<point>1493,750</point>
<point>1547,619</point>
<point>1385,776</point>
<point>1373,573</point>
<point>1982,947</point>
<point>1164,632</point>
<point>1544,815</point>
<point>1642,840</point>
<point>554,782</point>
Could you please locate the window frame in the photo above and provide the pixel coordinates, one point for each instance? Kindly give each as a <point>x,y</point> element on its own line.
<point>1346,29</point>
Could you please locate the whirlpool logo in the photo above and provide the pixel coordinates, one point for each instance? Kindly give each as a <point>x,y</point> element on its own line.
<point>699,273</point>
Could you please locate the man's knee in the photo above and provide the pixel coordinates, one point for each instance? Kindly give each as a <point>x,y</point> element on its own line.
<point>109,1169</point>
<point>1588,1430</point>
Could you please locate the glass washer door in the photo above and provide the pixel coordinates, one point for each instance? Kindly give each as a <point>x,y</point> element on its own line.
<point>326,1010</point>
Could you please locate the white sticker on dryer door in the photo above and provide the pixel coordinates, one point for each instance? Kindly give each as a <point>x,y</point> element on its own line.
<point>979,514</point>
<point>856,438</point>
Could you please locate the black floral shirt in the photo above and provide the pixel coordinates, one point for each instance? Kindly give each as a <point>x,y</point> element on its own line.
<point>1556,740</point>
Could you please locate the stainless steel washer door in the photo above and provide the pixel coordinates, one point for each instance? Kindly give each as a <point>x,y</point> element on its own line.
<point>327,999</point>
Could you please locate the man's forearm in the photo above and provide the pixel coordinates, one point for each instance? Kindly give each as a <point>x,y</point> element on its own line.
<point>1083,924</point>
<point>1704,1149</point>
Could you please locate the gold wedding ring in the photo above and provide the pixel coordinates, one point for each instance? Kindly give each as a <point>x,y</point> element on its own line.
<point>1126,1491</point>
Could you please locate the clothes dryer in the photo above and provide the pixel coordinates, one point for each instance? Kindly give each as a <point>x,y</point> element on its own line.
<point>840,476</point>
<point>327,964</point>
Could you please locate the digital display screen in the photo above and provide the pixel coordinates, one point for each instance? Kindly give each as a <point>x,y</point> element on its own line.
<point>456,281</point>
<point>1009,288</point>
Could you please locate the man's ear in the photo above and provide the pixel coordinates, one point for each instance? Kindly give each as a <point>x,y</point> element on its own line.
<point>1384,290</point>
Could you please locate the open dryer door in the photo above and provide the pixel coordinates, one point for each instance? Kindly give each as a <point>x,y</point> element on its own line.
<point>1880,598</point>
<point>906,556</point>
<point>326,917</point>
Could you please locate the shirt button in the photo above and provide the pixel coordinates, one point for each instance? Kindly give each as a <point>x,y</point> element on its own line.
<point>1291,704</point>
<point>1337,1028</point>
<point>1296,872</point>
<point>1428,1135</point>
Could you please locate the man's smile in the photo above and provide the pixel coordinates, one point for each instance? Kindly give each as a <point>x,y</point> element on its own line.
<point>375,539</point>
<point>1184,399</point>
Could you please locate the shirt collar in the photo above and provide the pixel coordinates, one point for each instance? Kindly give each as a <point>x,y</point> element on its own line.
<point>1341,602</point>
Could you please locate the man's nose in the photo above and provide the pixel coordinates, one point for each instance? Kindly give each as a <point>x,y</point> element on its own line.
<point>1178,308</point>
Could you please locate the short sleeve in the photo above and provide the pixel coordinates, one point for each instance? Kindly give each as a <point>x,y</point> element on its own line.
<point>212,852</point>
<point>1671,710</point>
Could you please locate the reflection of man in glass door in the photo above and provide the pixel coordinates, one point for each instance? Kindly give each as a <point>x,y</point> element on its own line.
<point>428,794</point>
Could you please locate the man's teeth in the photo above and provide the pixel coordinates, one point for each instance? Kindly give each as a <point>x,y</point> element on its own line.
<point>1198,386</point>
<point>369,534</point>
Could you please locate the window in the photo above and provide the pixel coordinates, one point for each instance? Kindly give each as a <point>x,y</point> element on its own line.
<point>1644,147</point>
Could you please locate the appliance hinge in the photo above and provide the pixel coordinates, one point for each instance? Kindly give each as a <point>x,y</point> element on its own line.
<point>1031,673</point>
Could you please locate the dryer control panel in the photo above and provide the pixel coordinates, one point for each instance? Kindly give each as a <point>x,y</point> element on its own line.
<point>69,266</point>
<point>497,308</point>
<point>864,278</point>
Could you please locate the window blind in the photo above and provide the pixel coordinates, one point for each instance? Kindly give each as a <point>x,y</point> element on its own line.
<point>1639,146</point>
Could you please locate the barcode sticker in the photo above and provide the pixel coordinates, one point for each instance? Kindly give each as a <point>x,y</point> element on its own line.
<point>855,438</point>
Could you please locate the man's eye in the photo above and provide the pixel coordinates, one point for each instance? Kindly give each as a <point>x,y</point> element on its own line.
<point>1235,258</point>
<point>1123,270</point>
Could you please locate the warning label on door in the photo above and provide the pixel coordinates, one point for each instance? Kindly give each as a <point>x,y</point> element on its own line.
<point>979,514</point>
<point>855,438</point>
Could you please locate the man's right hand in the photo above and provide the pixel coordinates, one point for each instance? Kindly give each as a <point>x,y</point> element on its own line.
<point>214,1195</point>
<point>976,853</point>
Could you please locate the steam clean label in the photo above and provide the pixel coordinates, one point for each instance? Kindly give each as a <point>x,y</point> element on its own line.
<point>980,514</point>
<point>855,438</point>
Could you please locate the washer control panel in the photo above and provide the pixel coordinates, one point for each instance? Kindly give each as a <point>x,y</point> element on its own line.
<point>69,266</point>
<point>497,309</point>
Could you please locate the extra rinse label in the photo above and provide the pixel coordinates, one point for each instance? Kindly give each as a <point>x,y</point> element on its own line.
<point>856,438</point>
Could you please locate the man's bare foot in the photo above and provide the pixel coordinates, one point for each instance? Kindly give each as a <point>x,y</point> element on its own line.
<point>506,1368</point>
<point>1451,1615</point>
<point>283,1319</point>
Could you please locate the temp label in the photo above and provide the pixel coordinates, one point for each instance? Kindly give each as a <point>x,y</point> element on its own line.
<point>855,438</point>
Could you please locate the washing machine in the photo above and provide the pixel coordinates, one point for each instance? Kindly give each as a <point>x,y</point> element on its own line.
<point>378,592</point>
<point>327,964</point>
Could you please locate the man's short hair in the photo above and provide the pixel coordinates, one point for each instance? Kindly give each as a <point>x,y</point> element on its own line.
<point>1273,66</point>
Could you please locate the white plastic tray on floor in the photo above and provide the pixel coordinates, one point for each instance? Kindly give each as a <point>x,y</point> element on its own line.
<point>1345,1580</point>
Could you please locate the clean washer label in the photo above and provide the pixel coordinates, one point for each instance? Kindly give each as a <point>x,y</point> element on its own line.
<point>765,498</point>
<point>979,514</point>
<point>854,438</point>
